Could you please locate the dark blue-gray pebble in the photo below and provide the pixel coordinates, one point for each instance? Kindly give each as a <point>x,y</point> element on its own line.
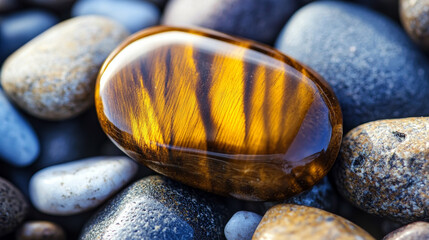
<point>321,195</point>
<point>19,28</point>
<point>372,65</point>
<point>158,208</point>
<point>260,20</point>
<point>19,145</point>
<point>134,15</point>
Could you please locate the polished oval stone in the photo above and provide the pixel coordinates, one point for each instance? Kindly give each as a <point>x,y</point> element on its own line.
<point>219,113</point>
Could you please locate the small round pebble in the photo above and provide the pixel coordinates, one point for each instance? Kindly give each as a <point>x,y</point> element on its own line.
<point>288,221</point>
<point>260,20</point>
<point>242,225</point>
<point>383,168</point>
<point>156,207</point>
<point>19,145</point>
<point>13,207</point>
<point>415,19</point>
<point>375,70</point>
<point>413,231</point>
<point>40,230</point>
<point>53,76</point>
<point>77,186</point>
<point>134,15</point>
<point>20,27</point>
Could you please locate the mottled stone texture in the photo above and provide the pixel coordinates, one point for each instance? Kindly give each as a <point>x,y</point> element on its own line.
<point>384,168</point>
<point>158,208</point>
<point>13,207</point>
<point>413,231</point>
<point>288,221</point>
<point>53,76</point>
<point>415,18</point>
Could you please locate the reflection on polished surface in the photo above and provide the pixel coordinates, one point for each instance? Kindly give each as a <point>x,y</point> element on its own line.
<point>218,113</point>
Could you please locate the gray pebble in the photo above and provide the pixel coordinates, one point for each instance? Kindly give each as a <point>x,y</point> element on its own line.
<point>374,68</point>
<point>19,145</point>
<point>53,76</point>
<point>383,168</point>
<point>13,207</point>
<point>158,208</point>
<point>242,225</point>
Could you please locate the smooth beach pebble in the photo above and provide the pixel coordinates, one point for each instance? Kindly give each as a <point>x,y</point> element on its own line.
<point>413,231</point>
<point>158,208</point>
<point>40,230</point>
<point>19,145</point>
<point>77,186</point>
<point>224,115</point>
<point>134,15</point>
<point>415,19</point>
<point>18,28</point>
<point>237,17</point>
<point>52,77</point>
<point>376,71</point>
<point>290,222</point>
<point>242,225</point>
<point>383,168</point>
<point>13,207</point>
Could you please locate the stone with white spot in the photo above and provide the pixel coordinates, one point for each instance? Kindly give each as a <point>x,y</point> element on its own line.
<point>77,186</point>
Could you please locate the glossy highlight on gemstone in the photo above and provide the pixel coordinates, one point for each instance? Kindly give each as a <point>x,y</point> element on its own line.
<point>219,113</point>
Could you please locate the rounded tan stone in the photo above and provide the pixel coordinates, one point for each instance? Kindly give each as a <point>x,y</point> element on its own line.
<point>413,231</point>
<point>289,222</point>
<point>53,76</point>
<point>40,230</point>
<point>383,168</point>
<point>415,19</point>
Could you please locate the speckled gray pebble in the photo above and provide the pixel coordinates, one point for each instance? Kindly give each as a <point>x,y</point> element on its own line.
<point>13,207</point>
<point>53,76</point>
<point>19,145</point>
<point>242,18</point>
<point>383,168</point>
<point>374,68</point>
<point>242,225</point>
<point>158,208</point>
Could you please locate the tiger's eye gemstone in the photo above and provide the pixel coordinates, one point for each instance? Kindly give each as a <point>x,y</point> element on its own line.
<point>219,113</point>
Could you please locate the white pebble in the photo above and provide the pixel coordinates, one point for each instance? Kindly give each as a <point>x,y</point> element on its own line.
<point>77,186</point>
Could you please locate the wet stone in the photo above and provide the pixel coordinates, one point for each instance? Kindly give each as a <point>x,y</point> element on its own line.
<point>220,114</point>
<point>156,207</point>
